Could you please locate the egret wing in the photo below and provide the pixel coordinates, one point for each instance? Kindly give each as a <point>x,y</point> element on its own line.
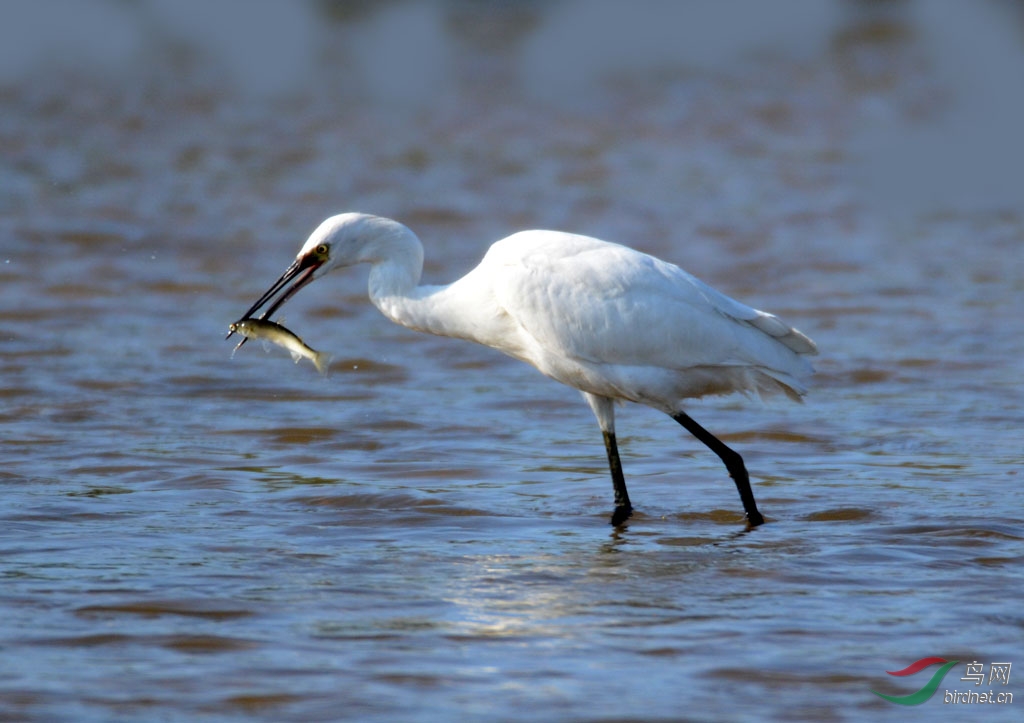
<point>604,303</point>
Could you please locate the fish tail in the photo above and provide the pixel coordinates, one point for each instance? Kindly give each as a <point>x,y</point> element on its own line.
<point>320,360</point>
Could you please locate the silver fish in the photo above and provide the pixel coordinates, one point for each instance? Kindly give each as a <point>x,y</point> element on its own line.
<point>277,334</point>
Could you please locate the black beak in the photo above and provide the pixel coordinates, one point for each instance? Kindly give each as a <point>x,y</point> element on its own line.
<point>298,275</point>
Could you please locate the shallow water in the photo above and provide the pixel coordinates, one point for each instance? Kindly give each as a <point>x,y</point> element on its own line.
<point>422,534</point>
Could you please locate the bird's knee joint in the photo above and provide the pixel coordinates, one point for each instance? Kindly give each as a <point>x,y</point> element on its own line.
<point>733,460</point>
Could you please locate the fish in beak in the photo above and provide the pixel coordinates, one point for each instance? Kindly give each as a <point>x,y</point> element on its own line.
<point>300,273</point>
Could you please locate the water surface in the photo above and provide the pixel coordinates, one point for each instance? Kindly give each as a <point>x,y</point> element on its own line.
<point>422,534</point>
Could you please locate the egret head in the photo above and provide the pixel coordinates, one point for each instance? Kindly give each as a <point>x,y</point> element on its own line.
<point>348,239</point>
<point>343,240</point>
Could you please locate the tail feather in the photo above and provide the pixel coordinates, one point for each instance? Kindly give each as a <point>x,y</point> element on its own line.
<point>774,327</point>
<point>768,383</point>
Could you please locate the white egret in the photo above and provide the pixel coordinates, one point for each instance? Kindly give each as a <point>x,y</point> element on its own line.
<point>612,322</point>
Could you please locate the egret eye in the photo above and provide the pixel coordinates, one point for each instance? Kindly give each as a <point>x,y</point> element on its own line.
<point>322,249</point>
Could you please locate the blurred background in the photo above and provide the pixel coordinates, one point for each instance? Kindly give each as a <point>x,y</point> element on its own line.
<point>263,118</point>
<point>423,534</point>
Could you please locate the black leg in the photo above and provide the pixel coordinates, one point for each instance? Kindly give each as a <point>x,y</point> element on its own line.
<point>733,463</point>
<point>622,507</point>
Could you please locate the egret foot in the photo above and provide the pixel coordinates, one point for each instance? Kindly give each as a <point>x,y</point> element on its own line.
<point>620,515</point>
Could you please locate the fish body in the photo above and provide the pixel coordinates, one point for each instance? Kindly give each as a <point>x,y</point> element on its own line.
<point>282,337</point>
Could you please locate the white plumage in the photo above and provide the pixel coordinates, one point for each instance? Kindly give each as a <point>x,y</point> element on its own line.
<point>615,323</point>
